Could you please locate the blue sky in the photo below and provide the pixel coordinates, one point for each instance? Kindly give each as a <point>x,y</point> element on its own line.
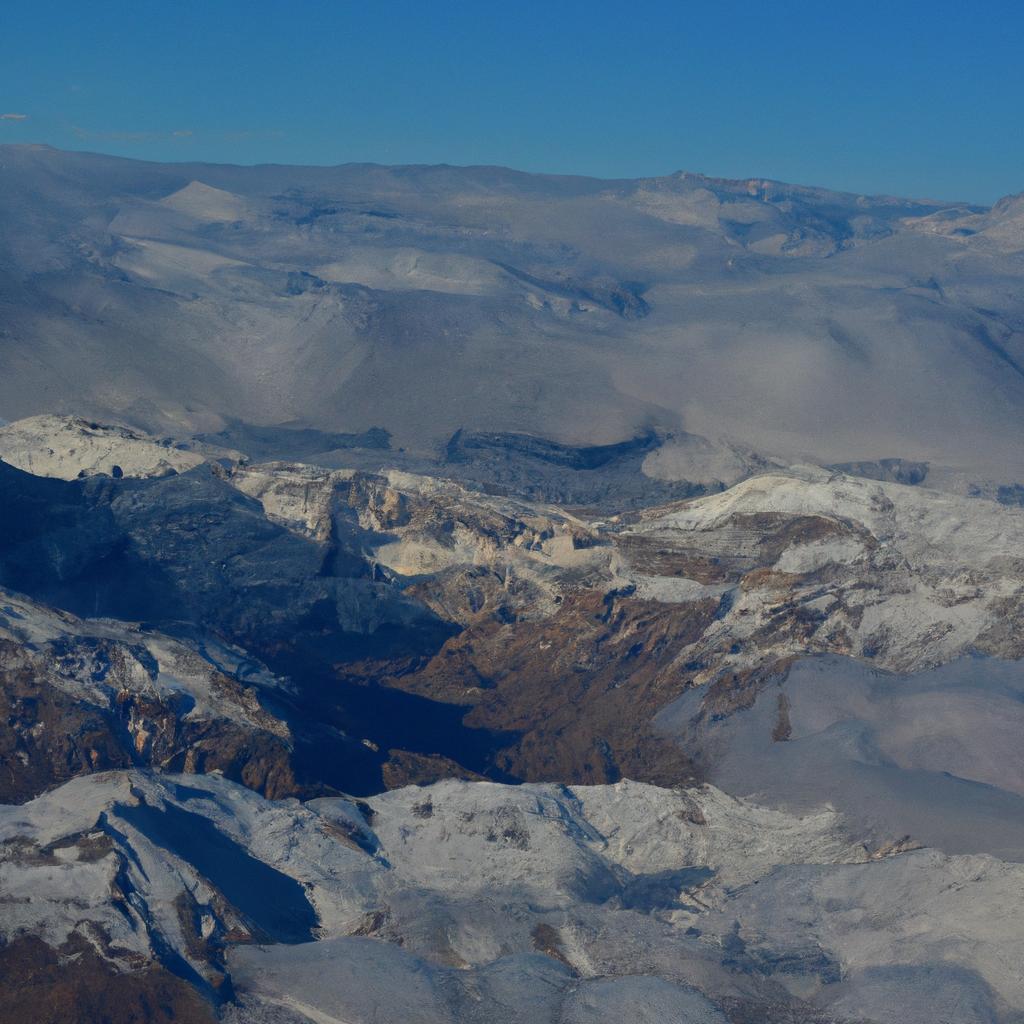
<point>922,99</point>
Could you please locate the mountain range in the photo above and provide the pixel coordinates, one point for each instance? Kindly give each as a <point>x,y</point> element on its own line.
<point>444,595</point>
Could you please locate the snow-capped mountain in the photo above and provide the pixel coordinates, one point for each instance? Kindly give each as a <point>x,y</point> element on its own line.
<point>406,739</point>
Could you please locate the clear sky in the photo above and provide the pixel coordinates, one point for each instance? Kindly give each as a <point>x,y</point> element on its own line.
<point>912,98</point>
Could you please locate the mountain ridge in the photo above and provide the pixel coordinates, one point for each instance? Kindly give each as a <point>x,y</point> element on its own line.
<point>677,174</point>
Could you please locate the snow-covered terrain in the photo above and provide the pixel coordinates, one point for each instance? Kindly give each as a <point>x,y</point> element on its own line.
<point>66,448</point>
<point>907,576</point>
<point>747,756</point>
<point>461,901</point>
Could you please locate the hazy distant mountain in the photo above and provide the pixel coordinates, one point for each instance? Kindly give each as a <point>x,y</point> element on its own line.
<point>794,321</point>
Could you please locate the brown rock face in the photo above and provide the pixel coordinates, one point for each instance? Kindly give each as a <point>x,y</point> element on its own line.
<point>49,736</point>
<point>580,687</point>
<point>160,735</point>
<point>404,768</point>
<point>74,985</point>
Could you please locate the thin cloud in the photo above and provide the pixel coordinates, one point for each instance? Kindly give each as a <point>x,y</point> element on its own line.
<point>13,117</point>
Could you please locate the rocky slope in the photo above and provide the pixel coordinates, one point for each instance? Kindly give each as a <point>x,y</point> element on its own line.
<point>564,632</point>
<point>81,696</point>
<point>765,741</point>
